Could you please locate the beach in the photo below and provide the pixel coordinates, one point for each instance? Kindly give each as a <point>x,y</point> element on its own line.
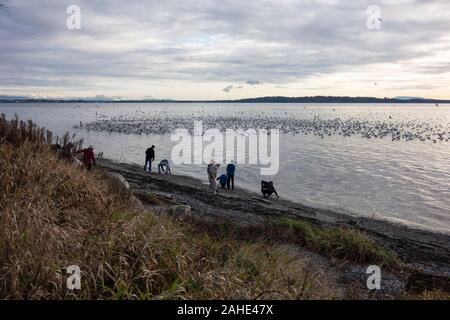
<point>428,253</point>
<point>182,241</point>
<point>229,156</point>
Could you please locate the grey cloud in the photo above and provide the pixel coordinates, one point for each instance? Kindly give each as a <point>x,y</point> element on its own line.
<point>273,41</point>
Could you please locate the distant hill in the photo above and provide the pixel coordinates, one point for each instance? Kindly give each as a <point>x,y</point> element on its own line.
<point>409,98</point>
<point>333,99</point>
<point>280,99</point>
<point>12,98</point>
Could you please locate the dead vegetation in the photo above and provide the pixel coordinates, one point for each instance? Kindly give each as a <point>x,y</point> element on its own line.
<point>54,215</point>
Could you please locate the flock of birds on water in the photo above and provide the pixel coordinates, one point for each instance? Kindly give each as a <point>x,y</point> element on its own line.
<point>140,123</point>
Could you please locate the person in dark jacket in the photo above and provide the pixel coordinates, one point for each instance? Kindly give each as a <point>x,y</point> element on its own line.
<point>88,157</point>
<point>267,189</point>
<point>149,158</point>
<point>223,179</point>
<point>231,169</point>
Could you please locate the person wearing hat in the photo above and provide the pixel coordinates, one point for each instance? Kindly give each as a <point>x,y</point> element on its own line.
<point>212,169</point>
<point>149,158</point>
<point>88,157</point>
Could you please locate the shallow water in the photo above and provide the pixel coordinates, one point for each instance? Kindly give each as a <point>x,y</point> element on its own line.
<point>403,181</point>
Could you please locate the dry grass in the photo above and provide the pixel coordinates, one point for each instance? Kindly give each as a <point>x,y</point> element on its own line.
<point>53,215</point>
<point>429,295</point>
<point>338,243</point>
<point>344,244</point>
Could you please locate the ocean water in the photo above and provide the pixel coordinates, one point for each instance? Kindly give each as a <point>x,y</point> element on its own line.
<point>365,171</point>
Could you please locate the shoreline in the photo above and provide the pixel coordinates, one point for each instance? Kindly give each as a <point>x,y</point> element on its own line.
<point>425,251</point>
<point>341,211</point>
<point>263,100</point>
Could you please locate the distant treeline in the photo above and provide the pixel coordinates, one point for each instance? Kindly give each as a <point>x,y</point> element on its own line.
<point>332,99</point>
<point>313,99</point>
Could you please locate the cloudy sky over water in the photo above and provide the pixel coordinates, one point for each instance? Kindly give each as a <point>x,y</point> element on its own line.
<point>227,49</point>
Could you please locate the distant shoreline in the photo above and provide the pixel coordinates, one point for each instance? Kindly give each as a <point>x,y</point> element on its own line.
<point>287,100</point>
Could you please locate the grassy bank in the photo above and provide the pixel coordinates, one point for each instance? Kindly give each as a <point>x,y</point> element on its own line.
<point>345,244</point>
<point>338,243</point>
<point>53,215</point>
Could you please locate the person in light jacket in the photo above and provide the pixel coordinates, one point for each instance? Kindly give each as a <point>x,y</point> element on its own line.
<point>212,169</point>
<point>164,166</point>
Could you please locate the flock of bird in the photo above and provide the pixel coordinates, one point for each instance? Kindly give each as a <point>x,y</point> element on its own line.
<point>141,123</point>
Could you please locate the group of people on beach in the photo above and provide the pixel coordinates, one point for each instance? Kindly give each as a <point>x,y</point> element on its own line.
<point>225,180</point>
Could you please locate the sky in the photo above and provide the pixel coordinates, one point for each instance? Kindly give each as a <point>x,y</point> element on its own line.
<point>225,49</point>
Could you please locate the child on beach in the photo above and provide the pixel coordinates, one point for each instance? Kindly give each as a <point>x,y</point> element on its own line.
<point>223,179</point>
<point>164,167</point>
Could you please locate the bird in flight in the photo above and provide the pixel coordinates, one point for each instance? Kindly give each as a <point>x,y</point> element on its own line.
<point>228,89</point>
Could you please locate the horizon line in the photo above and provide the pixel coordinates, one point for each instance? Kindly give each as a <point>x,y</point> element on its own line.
<point>261,99</point>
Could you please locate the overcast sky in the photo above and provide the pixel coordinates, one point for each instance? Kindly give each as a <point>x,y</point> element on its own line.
<point>226,49</point>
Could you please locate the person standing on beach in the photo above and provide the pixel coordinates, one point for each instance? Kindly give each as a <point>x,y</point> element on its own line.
<point>231,168</point>
<point>88,157</point>
<point>212,169</point>
<point>149,158</point>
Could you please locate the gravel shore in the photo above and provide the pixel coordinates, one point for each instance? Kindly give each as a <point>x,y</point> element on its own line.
<point>427,253</point>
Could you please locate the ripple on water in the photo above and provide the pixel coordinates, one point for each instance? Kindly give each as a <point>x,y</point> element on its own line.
<point>327,158</point>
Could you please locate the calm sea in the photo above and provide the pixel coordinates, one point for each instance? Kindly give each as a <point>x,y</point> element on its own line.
<point>402,181</point>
